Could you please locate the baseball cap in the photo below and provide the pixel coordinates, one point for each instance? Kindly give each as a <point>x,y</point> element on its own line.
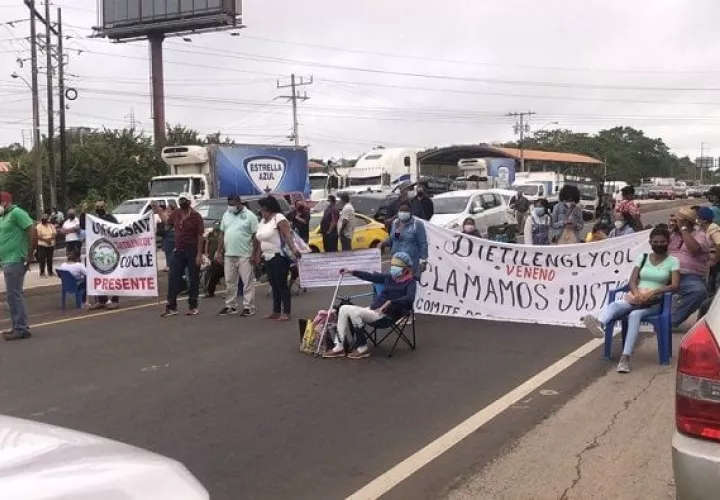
<point>185,196</point>
<point>705,214</point>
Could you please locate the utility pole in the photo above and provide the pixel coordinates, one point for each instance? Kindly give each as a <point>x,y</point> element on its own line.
<point>61,97</point>
<point>701,163</point>
<point>39,208</point>
<point>50,110</point>
<point>294,97</point>
<point>521,127</point>
<point>157,78</point>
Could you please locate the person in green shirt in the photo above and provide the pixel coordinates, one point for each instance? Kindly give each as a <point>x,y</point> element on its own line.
<point>18,240</point>
<point>216,271</point>
<point>237,243</point>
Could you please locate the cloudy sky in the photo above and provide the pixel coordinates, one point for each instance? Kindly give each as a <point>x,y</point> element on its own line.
<point>399,73</point>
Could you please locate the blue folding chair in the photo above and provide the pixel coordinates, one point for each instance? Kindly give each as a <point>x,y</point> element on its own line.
<point>661,322</point>
<point>70,285</point>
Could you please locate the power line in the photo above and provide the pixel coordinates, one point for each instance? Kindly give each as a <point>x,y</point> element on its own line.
<point>294,97</point>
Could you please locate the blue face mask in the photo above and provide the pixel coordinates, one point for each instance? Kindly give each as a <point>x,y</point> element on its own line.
<point>403,215</point>
<point>396,271</point>
<point>539,211</point>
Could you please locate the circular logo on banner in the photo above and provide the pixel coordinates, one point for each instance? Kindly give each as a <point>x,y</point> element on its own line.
<point>103,256</point>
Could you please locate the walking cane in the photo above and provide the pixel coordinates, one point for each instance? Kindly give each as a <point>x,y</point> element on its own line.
<point>327,317</point>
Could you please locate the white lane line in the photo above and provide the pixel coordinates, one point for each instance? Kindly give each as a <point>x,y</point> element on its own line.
<point>385,482</point>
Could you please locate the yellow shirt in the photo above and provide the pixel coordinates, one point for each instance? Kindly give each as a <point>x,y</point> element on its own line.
<point>713,232</point>
<point>45,232</point>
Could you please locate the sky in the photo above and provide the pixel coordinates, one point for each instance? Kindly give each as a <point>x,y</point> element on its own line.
<point>396,73</point>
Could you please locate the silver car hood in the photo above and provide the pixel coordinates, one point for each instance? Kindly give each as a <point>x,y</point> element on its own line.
<point>44,462</point>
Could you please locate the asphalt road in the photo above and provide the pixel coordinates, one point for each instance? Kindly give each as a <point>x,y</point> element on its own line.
<point>234,400</point>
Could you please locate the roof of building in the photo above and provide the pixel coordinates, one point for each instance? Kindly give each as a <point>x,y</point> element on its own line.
<point>450,155</point>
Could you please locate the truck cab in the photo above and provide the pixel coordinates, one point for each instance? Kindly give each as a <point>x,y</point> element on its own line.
<point>189,173</point>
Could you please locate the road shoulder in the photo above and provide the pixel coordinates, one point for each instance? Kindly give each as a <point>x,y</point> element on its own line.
<point>610,441</point>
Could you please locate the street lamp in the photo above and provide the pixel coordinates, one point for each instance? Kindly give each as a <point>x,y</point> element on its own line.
<point>20,77</point>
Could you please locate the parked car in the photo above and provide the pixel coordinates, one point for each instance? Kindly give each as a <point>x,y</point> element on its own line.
<point>368,233</point>
<point>696,442</point>
<point>213,210</point>
<point>681,192</point>
<point>698,191</point>
<point>487,207</point>
<point>642,192</point>
<point>134,208</point>
<point>662,193</point>
<point>45,462</point>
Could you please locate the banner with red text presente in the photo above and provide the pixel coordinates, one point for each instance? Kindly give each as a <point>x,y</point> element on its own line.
<point>554,285</point>
<point>121,258</point>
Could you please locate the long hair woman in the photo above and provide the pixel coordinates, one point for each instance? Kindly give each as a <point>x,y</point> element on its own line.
<point>274,234</point>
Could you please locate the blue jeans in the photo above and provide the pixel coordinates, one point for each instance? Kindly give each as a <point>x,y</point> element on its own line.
<point>691,295</point>
<point>618,310</point>
<point>14,279</point>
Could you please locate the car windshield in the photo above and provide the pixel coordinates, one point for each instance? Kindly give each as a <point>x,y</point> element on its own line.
<point>318,182</point>
<point>527,189</point>
<point>130,207</point>
<point>211,210</point>
<point>451,205</point>
<point>587,191</point>
<point>164,186</point>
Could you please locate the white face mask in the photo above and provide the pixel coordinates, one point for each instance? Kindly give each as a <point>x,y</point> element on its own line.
<point>469,228</point>
<point>619,224</point>
<point>2,210</point>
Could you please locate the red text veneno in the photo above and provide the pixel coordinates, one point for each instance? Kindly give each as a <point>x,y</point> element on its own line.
<point>531,273</point>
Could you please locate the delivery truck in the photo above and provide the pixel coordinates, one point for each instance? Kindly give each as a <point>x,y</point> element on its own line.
<point>216,171</point>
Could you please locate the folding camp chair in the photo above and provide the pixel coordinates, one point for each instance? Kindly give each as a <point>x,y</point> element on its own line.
<point>379,331</point>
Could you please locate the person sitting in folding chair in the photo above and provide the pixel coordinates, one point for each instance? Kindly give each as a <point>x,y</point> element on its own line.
<point>395,301</point>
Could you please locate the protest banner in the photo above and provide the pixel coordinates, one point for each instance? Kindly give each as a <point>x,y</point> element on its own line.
<point>553,285</point>
<point>323,269</point>
<point>121,258</point>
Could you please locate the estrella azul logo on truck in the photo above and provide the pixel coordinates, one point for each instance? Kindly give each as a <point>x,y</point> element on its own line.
<point>266,172</point>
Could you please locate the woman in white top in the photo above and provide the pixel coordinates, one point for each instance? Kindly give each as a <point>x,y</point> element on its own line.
<point>274,230</point>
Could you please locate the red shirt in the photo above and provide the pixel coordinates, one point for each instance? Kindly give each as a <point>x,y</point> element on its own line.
<point>189,228</point>
<point>627,206</point>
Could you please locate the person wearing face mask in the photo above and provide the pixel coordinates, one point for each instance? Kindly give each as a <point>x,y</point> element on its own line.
<point>187,255</point>
<point>71,229</point>
<point>395,301</point>
<point>469,228</point>
<point>705,217</point>
<point>653,275</point>
<point>622,225</point>
<point>691,246</point>
<point>46,234</point>
<point>18,241</point>
<point>422,204</point>
<point>408,235</point>
<point>538,225</point>
<point>103,301</point>
<point>237,234</point>
<point>567,217</point>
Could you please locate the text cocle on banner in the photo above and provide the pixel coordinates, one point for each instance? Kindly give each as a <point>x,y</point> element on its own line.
<point>121,258</point>
<point>554,285</point>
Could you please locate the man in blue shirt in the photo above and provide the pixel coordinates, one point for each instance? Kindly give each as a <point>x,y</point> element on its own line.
<point>714,198</point>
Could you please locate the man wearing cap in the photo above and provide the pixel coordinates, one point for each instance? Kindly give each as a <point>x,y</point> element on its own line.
<point>18,240</point>
<point>691,246</point>
<point>103,301</point>
<point>187,255</point>
<point>237,234</point>
<point>705,222</point>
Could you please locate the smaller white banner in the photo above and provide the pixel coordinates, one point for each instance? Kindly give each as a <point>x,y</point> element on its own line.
<point>323,269</point>
<point>121,258</point>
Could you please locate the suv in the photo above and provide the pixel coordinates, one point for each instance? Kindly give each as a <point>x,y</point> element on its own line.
<point>212,211</point>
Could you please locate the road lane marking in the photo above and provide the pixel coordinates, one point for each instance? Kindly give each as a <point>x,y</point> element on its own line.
<point>388,480</point>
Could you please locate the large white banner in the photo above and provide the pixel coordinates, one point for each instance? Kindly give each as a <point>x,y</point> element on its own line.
<point>323,269</point>
<point>554,285</point>
<point>121,258</point>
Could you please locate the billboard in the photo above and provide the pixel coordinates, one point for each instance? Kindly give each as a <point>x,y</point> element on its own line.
<point>705,162</point>
<point>138,18</point>
<point>250,170</point>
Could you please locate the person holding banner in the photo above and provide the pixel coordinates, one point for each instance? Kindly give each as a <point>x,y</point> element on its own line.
<point>623,225</point>
<point>538,225</point>
<point>653,275</point>
<point>408,235</point>
<point>102,301</point>
<point>567,216</point>
<point>189,232</point>
<point>395,301</point>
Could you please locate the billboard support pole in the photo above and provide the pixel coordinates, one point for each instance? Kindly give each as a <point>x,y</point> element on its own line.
<point>50,110</point>
<point>37,146</point>
<point>158,89</point>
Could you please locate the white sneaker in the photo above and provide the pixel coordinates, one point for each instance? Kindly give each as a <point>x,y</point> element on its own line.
<point>624,365</point>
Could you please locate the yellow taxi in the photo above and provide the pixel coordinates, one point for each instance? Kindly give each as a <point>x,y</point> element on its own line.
<point>368,233</point>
